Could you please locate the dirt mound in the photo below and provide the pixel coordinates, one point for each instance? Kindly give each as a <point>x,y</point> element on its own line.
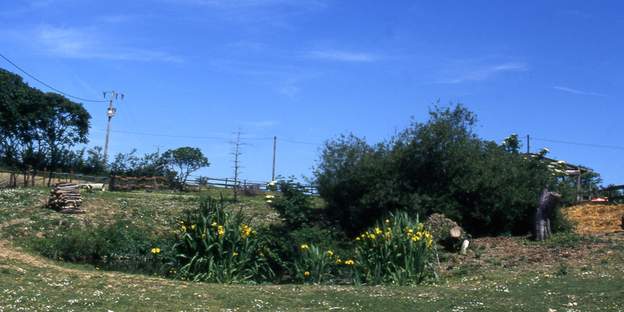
<point>595,218</point>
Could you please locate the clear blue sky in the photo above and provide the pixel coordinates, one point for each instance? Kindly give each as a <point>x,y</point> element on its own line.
<point>308,70</point>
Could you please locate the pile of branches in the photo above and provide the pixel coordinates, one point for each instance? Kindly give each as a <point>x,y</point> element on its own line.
<point>65,198</point>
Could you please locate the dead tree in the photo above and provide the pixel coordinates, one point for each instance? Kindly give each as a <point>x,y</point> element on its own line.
<point>547,204</point>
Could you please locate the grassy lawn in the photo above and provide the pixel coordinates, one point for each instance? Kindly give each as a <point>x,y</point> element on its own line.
<point>500,274</point>
<point>45,286</point>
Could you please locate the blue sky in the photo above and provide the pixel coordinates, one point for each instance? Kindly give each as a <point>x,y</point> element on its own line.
<point>196,71</point>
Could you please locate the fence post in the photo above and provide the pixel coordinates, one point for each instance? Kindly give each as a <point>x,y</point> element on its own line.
<point>111,183</point>
<point>43,178</point>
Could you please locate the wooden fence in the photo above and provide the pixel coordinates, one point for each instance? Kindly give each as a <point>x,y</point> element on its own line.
<point>243,184</point>
<point>10,178</point>
<point>122,183</point>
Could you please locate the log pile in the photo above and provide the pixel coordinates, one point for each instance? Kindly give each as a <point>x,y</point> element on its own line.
<point>447,232</point>
<point>65,198</point>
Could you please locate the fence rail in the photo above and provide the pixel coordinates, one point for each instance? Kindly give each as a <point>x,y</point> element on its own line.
<point>241,184</point>
<point>10,178</point>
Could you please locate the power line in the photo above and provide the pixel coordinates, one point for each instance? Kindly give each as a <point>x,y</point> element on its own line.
<point>580,143</point>
<point>169,135</point>
<point>195,137</point>
<point>319,143</point>
<point>301,142</point>
<point>47,85</point>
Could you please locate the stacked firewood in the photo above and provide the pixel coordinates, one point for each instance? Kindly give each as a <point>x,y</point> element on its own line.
<point>65,198</point>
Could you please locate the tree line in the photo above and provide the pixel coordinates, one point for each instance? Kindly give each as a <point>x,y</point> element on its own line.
<point>44,132</point>
<point>440,166</point>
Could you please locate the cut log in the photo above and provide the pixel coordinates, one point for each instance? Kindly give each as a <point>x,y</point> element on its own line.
<point>464,247</point>
<point>545,209</point>
<point>65,198</point>
<point>456,232</point>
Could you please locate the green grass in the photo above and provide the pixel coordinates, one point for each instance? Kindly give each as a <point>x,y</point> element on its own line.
<point>30,282</point>
<point>157,209</point>
<point>79,288</point>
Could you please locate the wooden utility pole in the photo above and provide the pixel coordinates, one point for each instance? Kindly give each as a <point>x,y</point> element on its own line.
<point>110,113</point>
<point>274,149</point>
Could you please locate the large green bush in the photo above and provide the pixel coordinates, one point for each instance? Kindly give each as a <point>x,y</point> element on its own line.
<point>438,166</point>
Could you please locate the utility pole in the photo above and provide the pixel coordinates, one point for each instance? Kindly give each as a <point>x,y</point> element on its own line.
<point>528,144</point>
<point>112,96</point>
<point>236,153</point>
<point>274,149</point>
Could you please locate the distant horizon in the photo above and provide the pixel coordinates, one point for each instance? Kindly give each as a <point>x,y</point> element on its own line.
<point>195,72</point>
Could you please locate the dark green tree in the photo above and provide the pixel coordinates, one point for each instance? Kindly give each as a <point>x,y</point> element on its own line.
<point>63,124</point>
<point>437,166</point>
<point>95,161</point>
<point>148,165</point>
<point>184,161</point>
<point>14,124</point>
<point>37,130</point>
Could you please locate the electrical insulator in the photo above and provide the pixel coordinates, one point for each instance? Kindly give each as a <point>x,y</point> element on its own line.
<point>111,112</point>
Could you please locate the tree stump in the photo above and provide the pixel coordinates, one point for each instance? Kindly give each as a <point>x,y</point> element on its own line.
<point>547,204</point>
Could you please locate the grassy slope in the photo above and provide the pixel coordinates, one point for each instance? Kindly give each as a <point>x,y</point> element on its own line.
<point>492,280</point>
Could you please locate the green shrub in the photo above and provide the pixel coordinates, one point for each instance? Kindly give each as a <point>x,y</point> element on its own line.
<point>284,245</point>
<point>397,251</point>
<point>120,246</point>
<point>439,166</point>
<point>293,205</point>
<point>215,245</point>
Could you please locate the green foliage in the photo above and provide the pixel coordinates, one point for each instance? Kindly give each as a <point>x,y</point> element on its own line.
<point>313,264</point>
<point>284,245</point>
<point>353,180</point>
<point>397,251</point>
<point>215,245</point>
<point>37,130</point>
<point>94,162</point>
<point>176,164</point>
<point>130,164</point>
<point>120,246</point>
<point>184,161</point>
<point>438,166</point>
<point>293,205</point>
